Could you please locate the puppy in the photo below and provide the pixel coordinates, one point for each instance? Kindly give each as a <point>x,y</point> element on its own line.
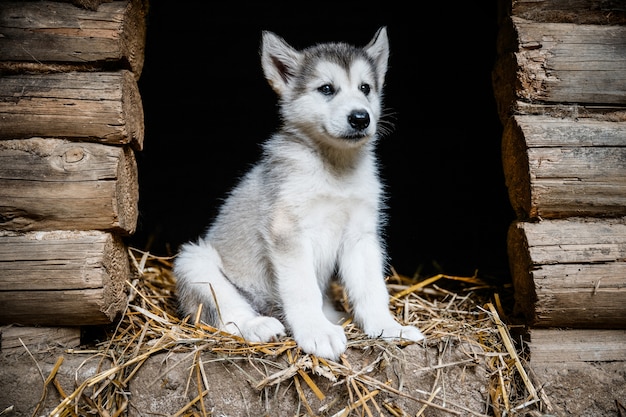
<point>307,212</point>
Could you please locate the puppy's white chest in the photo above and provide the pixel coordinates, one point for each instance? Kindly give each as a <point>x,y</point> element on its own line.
<point>329,219</point>
<point>329,212</point>
<point>336,204</point>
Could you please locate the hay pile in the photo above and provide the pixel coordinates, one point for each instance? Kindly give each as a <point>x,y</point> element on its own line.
<point>469,314</point>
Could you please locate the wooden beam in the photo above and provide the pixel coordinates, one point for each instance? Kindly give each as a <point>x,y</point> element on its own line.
<point>576,345</point>
<point>53,184</point>
<point>41,35</point>
<point>36,338</point>
<point>556,63</point>
<point>102,107</point>
<point>570,272</point>
<point>62,278</point>
<point>560,167</point>
<point>595,12</point>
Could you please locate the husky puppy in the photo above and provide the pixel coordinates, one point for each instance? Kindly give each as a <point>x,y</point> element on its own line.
<point>308,211</point>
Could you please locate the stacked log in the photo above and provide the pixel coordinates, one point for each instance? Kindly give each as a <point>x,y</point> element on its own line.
<point>560,85</point>
<point>62,278</point>
<point>103,107</point>
<point>71,120</point>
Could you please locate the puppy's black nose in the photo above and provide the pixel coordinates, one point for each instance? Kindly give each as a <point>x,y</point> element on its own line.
<point>359,119</point>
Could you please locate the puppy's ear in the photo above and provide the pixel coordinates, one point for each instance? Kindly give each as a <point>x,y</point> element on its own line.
<point>279,60</point>
<point>378,50</point>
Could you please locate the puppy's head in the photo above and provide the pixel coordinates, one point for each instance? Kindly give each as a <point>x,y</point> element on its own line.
<point>330,92</point>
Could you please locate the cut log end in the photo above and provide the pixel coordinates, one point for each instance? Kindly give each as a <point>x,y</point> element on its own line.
<point>516,172</point>
<point>520,263</point>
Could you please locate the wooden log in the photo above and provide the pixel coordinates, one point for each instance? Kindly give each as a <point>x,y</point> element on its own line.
<point>559,63</point>
<point>570,272</point>
<point>62,278</point>
<point>595,12</point>
<point>100,107</point>
<point>53,184</point>
<point>577,345</point>
<point>44,34</point>
<point>37,338</point>
<point>88,4</point>
<point>556,168</point>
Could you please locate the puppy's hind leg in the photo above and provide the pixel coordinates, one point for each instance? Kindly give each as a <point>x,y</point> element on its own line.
<point>201,280</point>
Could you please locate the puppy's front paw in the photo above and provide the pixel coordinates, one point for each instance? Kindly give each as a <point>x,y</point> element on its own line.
<point>325,340</point>
<point>398,332</point>
<point>261,329</point>
<point>411,333</point>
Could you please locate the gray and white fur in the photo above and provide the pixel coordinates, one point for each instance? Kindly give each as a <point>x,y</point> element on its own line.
<point>308,211</point>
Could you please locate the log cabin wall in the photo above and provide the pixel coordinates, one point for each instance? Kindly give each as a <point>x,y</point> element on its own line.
<point>71,120</point>
<point>560,85</point>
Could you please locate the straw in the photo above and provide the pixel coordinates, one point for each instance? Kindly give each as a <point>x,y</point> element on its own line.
<point>151,326</point>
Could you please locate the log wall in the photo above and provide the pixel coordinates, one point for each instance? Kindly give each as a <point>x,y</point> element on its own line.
<point>71,120</point>
<point>560,85</point>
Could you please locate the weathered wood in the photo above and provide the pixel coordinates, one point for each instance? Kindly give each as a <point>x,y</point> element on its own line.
<point>570,272</point>
<point>112,35</point>
<point>102,107</point>
<point>595,12</point>
<point>53,184</point>
<point>577,345</point>
<point>559,63</point>
<point>557,168</point>
<point>88,4</point>
<point>62,278</point>
<point>37,338</point>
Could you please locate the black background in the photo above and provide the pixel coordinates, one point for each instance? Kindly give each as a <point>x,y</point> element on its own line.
<point>208,107</point>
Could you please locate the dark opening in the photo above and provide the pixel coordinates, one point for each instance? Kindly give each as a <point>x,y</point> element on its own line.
<point>208,107</point>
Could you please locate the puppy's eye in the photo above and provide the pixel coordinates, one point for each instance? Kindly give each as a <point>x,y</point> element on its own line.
<point>365,88</point>
<point>327,90</point>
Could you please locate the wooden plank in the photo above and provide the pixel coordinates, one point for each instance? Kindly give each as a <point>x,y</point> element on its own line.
<point>53,184</point>
<point>554,63</point>
<point>62,278</point>
<point>556,167</point>
<point>100,107</point>
<point>37,338</point>
<point>570,272</point>
<point>570,346</point>
<point>46,33</point>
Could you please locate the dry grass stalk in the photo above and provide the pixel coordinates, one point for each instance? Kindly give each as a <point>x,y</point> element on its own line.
<point>150,326</point>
